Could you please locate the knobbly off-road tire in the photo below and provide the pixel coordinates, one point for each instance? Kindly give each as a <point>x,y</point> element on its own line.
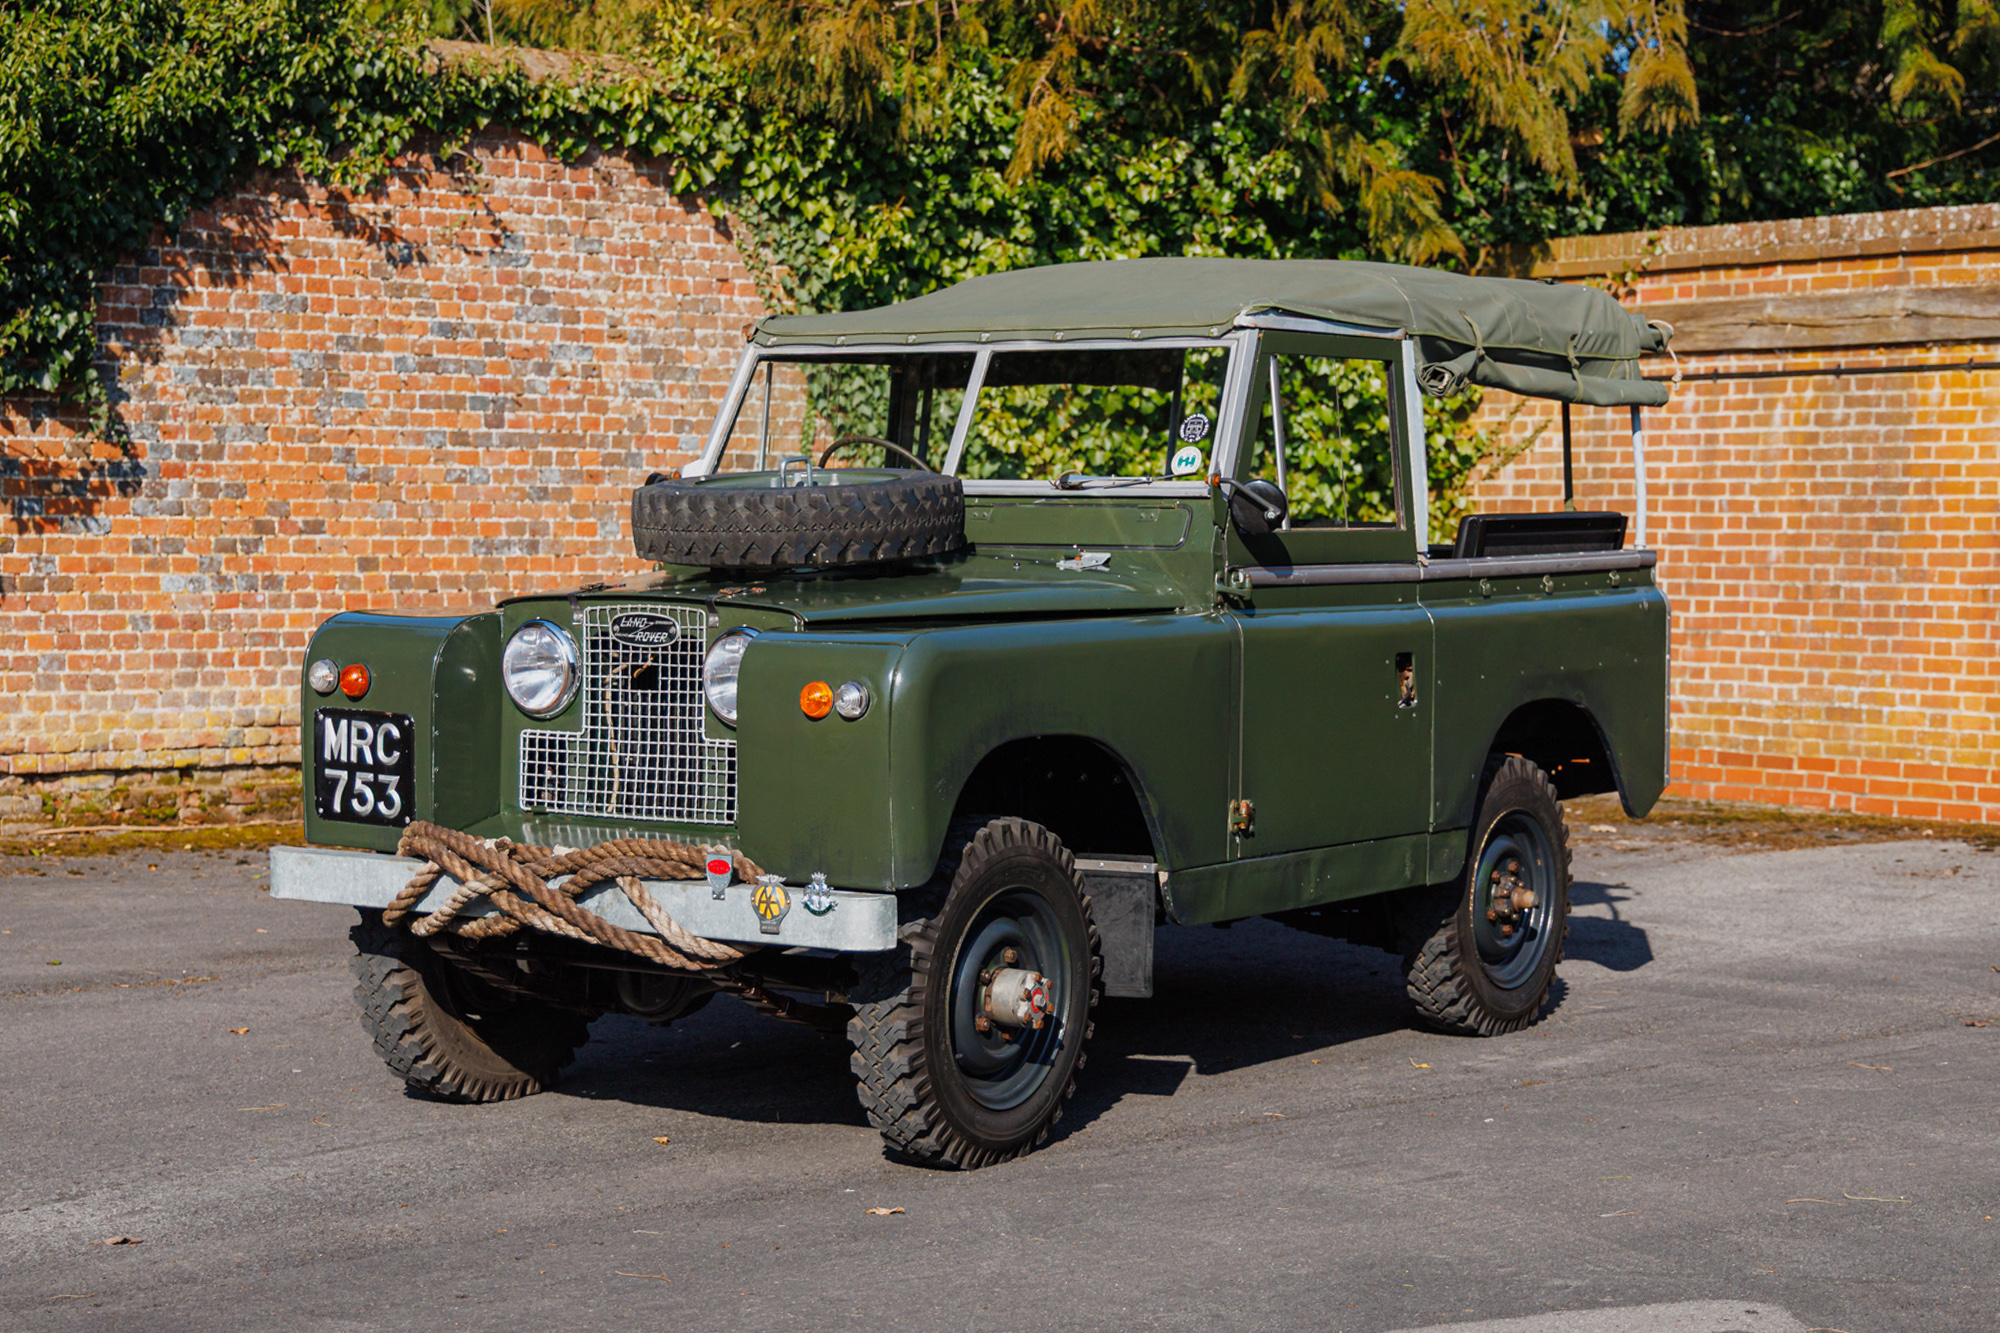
<point>901,516</point>
<point>938,1100</point>
<point>1463,975</point>
<point>420,1012</point>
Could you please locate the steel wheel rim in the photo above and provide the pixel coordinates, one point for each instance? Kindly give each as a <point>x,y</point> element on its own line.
<point>1000,1074</point>
<point>1512,960</point>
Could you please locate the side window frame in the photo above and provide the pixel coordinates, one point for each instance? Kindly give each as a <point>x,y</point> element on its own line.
<point>1301,546</point>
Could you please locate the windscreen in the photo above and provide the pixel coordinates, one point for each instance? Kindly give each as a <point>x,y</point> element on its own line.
<point>844,409</point>
<point>1123,412</point>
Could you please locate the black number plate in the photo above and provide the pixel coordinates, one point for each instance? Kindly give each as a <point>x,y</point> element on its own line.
<point>363,766</point>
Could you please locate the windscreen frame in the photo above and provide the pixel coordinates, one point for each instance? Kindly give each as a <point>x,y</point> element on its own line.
<point>1240,344</point>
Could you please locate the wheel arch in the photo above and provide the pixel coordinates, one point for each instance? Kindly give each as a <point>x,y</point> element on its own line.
<point>1078,787</point>
<point>1563,739</point>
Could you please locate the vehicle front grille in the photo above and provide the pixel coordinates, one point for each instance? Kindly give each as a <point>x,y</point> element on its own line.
<point>642,752</point>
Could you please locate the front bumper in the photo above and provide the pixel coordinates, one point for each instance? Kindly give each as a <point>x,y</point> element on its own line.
<point>855,923</point>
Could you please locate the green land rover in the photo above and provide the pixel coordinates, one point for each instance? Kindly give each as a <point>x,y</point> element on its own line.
<point>990,632</point>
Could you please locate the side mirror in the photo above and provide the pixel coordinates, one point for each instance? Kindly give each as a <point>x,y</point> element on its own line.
<point>1257,507</point>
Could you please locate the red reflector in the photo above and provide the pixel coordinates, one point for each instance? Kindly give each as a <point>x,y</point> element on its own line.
<point>354,680</point>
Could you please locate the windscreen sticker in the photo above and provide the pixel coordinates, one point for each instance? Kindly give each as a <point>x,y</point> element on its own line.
<point>1187,461</point>
<point>1195,428</point>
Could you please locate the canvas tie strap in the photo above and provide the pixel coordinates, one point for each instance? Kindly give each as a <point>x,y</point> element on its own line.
<point>515,878</point>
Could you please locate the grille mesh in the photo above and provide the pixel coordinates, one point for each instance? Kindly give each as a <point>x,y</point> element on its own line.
<point>641,753</point>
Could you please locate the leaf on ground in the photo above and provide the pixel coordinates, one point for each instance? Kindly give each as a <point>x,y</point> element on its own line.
<point>54,962</point>
<point>1415,1065</point>
<point>659,1138</point>
<point>1873,1198</point>
<point>1886,1069</point>
<point>279,1107</point>
<point>1973,1023</point>
<point>1603,828</point>
<point>119,1240</point>
<point>240,1031</point>
<point>657,1277</point>
<point>883,1212</point>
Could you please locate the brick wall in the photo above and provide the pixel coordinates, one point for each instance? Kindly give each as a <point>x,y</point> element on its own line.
<point>426,397</point>
<point>443,392</point>
<point>1828,538</point>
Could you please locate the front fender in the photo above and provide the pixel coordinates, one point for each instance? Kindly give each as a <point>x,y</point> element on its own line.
<point>1157,691</point>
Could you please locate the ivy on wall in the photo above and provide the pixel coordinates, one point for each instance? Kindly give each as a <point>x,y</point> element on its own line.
<point>121,116</point>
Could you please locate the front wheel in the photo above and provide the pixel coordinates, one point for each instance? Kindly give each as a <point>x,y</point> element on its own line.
<point>1480,955</point>
<point>448,1034</point>
<point>967,1039</point>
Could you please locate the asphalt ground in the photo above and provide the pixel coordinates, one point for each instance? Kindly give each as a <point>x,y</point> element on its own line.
<point>1759,1104</point>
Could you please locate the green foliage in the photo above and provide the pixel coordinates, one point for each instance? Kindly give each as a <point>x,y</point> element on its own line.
<point>1325,130</point>
<point>122,115</point>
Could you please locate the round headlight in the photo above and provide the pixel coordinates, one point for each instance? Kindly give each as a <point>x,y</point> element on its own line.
<point>539,669</point>
<point>323,676</point>
<point>720,669</point>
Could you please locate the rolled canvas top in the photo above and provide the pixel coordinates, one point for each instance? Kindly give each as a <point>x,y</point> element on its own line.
<point>1566,342</point>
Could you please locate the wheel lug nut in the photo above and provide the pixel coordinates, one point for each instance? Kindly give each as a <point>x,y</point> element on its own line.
<point>1010,956</point>
<point>982,1023</point>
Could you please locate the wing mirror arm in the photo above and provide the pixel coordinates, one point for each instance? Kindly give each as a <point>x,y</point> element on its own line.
<point>1256,508</point>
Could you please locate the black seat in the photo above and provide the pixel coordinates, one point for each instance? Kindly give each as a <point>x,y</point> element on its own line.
<point>1563,533</point>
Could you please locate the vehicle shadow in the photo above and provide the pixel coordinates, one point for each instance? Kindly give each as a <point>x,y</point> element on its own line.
<point>1223,1000</point>
<point>1609,941</point>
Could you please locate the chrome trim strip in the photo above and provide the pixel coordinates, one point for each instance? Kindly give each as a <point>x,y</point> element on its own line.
<point>1437,571</point>
<point>858,923</point>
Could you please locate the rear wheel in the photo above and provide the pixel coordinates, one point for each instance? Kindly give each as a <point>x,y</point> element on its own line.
<point>1480,954</point>
<point>448,1034</point>
<point>967,1039</point>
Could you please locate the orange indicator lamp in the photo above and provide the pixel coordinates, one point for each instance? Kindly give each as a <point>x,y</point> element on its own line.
<point>354,680</point>
<point>816,700</point>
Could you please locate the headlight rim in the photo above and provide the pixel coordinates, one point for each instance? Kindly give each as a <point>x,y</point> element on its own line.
<point>572,668</point>
<point>708,687</point>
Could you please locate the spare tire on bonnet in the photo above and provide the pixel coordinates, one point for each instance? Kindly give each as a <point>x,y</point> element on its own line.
<point>840,516</point>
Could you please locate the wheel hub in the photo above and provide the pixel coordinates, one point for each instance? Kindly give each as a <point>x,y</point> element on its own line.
<point>1009,998</point>
<point>1509,897</point>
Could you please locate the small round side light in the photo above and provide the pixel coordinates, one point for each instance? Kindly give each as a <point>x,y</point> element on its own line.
<point>851,700</point>
<point>323,676</point>
<point>816,699</point>
<point>354,680</point>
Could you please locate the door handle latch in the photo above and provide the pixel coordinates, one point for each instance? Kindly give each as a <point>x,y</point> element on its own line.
<point>1242,818</point>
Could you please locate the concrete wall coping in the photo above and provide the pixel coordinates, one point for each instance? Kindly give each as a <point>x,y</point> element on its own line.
<point>1849,236</point>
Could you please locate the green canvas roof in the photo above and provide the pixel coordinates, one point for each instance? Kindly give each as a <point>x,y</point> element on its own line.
<point>1572,343</point>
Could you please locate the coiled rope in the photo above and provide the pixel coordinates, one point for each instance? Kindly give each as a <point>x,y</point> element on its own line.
<point>514,877</point>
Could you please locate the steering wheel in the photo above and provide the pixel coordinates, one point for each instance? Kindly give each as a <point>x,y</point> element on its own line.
<point>846,440</point>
